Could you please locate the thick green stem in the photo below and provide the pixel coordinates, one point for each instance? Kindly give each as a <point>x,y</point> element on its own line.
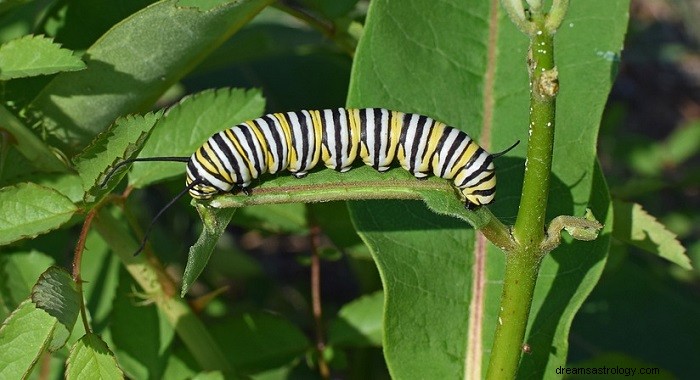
<point>522,264</point>
<point>516,299</point>
<point>150,277</point>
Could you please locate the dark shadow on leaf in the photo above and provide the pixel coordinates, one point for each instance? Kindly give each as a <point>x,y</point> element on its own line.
<point>100,78</point>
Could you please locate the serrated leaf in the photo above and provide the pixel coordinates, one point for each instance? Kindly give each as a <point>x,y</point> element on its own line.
<point>164,42</point>
<point>27,210</point>
<point>635,226</point>
<point>447,69</point>
<point>359,323</point>
<point>56,293</point>
<point>24,336</point>
<point>35,55</point>
<point>90,358</point>
<point>121,141</point>
<point>214,224</point>
<point>186,126</point>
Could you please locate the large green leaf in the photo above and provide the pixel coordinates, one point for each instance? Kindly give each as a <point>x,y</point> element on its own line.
<point>132,64</point>
<point>27,210</point>
<point>433,58</point>
<point>24,336</point>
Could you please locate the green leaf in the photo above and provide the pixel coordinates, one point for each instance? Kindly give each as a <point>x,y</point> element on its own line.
<point>214,224</point>
<point>19,271</point>
<point>90,358</point>
<point>186,126</point>
<point>35,55</point>
<point>24,336</point>
<point>121,141</point>
<point>635,226</point>
<point>56,293</point>
<point>165,41</point>
<point>260,341</point>
<point>359,322</point>
<point>70,185</point>
<point>142,348</point>
<point>27,210</point>
<point>429,310</point>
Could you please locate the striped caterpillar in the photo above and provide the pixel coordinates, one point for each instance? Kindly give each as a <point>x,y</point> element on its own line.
<point>297,141</point>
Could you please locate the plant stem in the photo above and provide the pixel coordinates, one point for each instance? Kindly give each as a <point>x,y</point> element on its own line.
<point>315,240</point>
<point>77,260</point>
<point>149,276</point>
<point>522,264</point>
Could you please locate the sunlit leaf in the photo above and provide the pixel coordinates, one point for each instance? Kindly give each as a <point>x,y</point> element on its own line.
<point>35,55</point>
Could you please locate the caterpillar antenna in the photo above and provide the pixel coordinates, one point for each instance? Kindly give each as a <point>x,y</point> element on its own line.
<point>499,154</point>
<point>126,162</point>
<point>155,218</point>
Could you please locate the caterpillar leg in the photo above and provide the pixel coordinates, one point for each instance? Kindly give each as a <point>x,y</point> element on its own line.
<point>471,206</point>
<point>300,175</point>
<point>421,175</point>
<point>242,189</point>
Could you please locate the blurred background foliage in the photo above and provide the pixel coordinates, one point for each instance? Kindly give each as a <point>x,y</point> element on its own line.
<point>644,310</point>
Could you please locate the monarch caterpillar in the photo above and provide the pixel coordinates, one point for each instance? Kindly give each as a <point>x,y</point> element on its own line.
<point>297,141</point>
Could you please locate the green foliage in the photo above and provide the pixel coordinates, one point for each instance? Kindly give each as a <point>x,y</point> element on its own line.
<point>633,225</point>
<point>215,222</point>
<point>164,41</point>
<point>55,292</point>
<point>105,82</point>
<point>28,210</point>
<point>119,142</point>
<point>24,336</point>
<point>90,356</point>
<point>190,122</point>
<point>487,109</point>
<point>35,55</point>
<point>359,322</point>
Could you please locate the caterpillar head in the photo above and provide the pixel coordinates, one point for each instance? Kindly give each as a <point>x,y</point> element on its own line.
<point>199,188</point>
<point>480,187</point>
